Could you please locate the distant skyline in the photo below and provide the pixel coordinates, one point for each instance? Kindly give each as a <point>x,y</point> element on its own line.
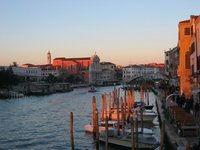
<point>123,32</point>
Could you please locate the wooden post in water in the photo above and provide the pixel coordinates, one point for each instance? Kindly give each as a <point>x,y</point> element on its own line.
<point>103,105</point>
<point>71,131</point>
<point>132,134</point>
<point>128,107</point>
<point>109,103</point>
<point>125,104</point>
<point>97,128</point>
<point>136,130</point>
<point>148,97</point>
<point>162,135</point>
<point>133,96</point>
<point>141,114</point>
<point>118,93</point>
<point>94,115</point>
<point>118,127</point>
<point>122,117</point>
<point>106,134</point>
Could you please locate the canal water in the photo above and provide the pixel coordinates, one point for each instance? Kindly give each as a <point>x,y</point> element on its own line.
<point>43,122</point>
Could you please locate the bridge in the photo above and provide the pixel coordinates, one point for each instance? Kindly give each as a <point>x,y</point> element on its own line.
<point>129,80</point>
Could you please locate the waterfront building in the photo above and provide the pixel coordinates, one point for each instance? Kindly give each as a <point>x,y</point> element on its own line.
<point>108,72</point>
<point>88,69</point>
<point>78,67</point>
<point>195,57</point>
<point>184,71</point>
<point>148,71</point>
<point>171,66</point>
<point>33,74</point>
<point>188,43</point>
<point>49,70</point>
<point>95,71</point>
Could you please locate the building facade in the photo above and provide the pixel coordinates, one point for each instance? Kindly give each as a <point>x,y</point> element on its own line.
<point>32,74</point>
<point>108,72</point>
<point>171,66</point>
<point>76,66</point>
<point>188,69</point>
<point>149,71</point>
<point>195,57</point>
<point>95,71</point>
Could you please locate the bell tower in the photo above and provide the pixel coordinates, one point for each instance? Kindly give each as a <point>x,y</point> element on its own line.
<point>48,57</point>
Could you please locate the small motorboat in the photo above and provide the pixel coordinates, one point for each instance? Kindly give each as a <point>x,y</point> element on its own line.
<point>92,89</point>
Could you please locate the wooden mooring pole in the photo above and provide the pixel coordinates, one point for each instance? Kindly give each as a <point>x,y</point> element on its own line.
<point>103,107</point>
<point>162,135</point>
<point>106,134</point>
<point>125,104</point>
<point>94,115</point>
<point>122,117</point>
<point>118,127</point>
<point>136,130</point>
<point>141,114</point>
<point>71,131</point>
<point>132,134</point>
<point>97,129</point>
<point>109,105</point>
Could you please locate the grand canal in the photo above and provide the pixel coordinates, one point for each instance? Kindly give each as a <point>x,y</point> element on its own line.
<point>43,122</point>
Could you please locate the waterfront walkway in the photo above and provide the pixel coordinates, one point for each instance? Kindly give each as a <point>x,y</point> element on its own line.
<point>176,140</point>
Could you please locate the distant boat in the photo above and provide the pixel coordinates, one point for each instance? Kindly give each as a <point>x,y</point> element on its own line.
<point>92,89</point>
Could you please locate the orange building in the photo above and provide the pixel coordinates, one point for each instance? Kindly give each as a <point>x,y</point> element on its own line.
<point>184,43</point>
<point>75,66</point>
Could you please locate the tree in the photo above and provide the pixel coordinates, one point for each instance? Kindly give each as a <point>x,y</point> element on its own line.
<point>8,78</point>
<point>15,64</point>
<point>51,79</point>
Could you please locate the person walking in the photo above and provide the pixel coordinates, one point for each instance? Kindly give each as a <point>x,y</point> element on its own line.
<point>196,110</point>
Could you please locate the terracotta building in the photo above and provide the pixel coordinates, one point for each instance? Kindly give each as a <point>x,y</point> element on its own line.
<point>76,66</point>
<point>188,59</point>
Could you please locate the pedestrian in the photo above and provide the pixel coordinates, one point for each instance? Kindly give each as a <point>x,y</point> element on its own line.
<point>196,110</point>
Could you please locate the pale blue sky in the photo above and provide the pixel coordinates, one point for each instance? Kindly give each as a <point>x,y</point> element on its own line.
<point>121,31</point>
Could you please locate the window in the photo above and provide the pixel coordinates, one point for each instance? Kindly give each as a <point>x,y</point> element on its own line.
<point>192,67</point>
<point>187,60</point>
<point>187,31</point>
<point>191,30</point>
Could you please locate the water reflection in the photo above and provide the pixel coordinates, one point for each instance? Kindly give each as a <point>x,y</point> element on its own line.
<point>43,122</point>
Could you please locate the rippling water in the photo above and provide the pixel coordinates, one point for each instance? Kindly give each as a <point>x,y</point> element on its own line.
<point>43,122</point>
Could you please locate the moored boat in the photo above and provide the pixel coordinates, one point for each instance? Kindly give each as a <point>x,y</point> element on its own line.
<point>124,142</point>
<point>142,104</point>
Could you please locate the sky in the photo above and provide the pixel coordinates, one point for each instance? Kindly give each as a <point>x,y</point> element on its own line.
<point>119,31</point>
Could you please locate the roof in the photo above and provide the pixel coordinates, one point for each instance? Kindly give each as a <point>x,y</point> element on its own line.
<point>80,58</point>
<point>184,21</point>
<point>106,63</point>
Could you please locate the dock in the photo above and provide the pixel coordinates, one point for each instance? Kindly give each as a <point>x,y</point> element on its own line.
<point>177,141</point>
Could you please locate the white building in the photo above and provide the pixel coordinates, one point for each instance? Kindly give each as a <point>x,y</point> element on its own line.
<point>47,71</point>
<point>108,72</point>
<point>31,73</point>
<point>147,71</point>
<point>95,71</point>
